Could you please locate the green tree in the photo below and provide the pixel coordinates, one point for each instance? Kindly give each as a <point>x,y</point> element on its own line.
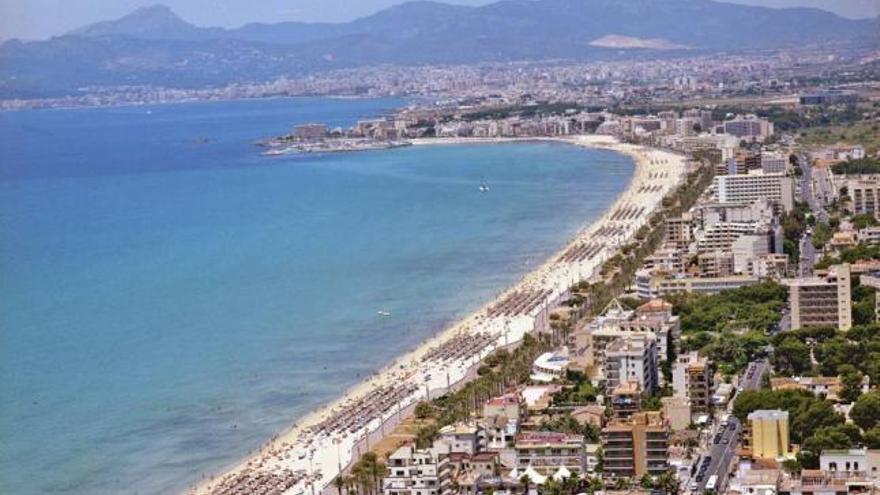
<point>851,382</point>
<point>866,410</point>
<point>791,357</point>
<point>872,438</point>
<point>424,410</point>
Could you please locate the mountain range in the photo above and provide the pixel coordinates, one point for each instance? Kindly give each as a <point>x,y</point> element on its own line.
<point>153,46</point>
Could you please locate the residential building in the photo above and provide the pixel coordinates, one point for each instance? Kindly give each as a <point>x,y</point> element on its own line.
<point>864,193</point>
<point>754,186</point>
<point>632,358</point>
<point>748,127</point>
<point>659,284</point>
<point>547,451</point>
<point>416,472</point>
<point>822,301</point>
<point>853,461</point>
<point>748,247</point>
<point>715,264</point>
<point>769,266</point>
<point>459,438</point>
<point>693,378</point>
<point>636,446</point>
<point>869,235</point>
<point>769,434</point>
<point>679,231</point>
<point>677,411</point>
<point>756,482</point>
<point>626,399</point>
<point>774,163</point>
<point>818,482</point>
<point>653,318</point>
<point>824,386</point>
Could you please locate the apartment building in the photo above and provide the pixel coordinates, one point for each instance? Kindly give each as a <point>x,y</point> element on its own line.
<point>865,195</point>
<point>679,231</point>
<point>715,264</point>
<point>416,472</point>
<point>769,434</point>
<point>819,482</point>
<point>636,446</point>
<point>658,284</point>
<point>626,399</point>
<point>651,318</point>
<point>822,301</point>
<point>851,461</point>
<point>754,186</point>
<point>693,377</point>
<point>632,358</point>
<point>748,127</point>
<point>774,163</point>
<point>547,451</point>
<point>772,266</point>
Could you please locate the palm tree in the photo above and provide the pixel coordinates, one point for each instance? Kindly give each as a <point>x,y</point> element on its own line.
<point>525,481</point>
<point>621,483</point>
<point>668,482</point>
<point>339,483</point>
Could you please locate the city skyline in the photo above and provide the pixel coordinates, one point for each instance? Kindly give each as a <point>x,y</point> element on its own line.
<point>25,19</point>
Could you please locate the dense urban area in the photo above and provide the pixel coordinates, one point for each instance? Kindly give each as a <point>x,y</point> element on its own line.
<point>730,346</point>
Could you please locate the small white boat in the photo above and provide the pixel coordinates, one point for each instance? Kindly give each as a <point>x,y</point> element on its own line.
<point>483,187</point>
<point>383,314</point>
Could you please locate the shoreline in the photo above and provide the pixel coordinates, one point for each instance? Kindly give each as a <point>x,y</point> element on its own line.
<point>312,451</point>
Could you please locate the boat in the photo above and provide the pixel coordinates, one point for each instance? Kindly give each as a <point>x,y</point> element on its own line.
<point>483,186</point>
<point>383,314</point>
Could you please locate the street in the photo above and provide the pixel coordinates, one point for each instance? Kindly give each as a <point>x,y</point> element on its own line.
<point>724,451</point>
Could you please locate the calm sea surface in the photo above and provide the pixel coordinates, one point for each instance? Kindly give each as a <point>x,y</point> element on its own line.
<point>166,305</point>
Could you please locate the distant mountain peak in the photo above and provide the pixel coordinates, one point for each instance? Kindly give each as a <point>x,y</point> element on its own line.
<point>151,22</point>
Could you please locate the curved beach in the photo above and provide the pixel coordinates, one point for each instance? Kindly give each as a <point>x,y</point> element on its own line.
<point>307,456</point>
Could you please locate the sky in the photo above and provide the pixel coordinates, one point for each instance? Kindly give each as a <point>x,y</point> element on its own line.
<point>39,19</point>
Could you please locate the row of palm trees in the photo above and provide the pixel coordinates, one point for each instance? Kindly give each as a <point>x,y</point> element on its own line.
<point>364,478</point>
<point>504,369</point>
<point>619,270</point>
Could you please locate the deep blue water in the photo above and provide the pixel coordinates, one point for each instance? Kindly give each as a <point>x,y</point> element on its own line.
<point>166,306</point>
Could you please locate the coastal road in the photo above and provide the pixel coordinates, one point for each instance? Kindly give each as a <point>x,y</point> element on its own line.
<point>724,452</point>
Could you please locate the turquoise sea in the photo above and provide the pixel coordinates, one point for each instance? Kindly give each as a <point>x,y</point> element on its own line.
<point>167,304</point>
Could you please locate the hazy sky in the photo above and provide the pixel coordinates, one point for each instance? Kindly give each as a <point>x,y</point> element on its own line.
<point>34,19</point>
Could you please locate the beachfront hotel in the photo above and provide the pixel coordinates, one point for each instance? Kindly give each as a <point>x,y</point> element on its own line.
<point>755,185</point>
<point>547,452</point>
<point>416,472</point>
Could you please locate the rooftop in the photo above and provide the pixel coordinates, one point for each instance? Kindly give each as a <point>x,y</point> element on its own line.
<point>768,414</point>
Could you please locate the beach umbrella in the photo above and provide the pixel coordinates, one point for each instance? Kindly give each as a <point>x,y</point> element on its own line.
<point>535,476</point>
<point>562,473</point>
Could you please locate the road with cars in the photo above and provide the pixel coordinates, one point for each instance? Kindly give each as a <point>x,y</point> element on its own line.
<point>723,440</point>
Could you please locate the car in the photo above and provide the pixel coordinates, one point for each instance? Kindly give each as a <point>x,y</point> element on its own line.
<point>694,486</point>
<point>700,478</point>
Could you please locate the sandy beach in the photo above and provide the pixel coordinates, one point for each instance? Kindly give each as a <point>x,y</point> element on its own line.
<point>306,457</point>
